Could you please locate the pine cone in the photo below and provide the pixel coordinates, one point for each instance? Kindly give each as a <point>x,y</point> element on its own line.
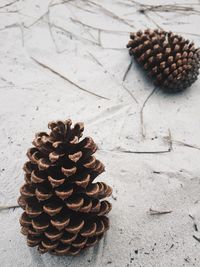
<point>170,60</point>
<point>63,213</point>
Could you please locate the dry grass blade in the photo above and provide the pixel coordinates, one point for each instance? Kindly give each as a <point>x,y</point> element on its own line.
<point>197,238</point>
<point>9,26</point>
<point>159,212</point>
<point>60,3</point>
<point>191,216</point>
<point>111,14</point>
<point>152,20</point>
<point>168,8</point>
<point>78,6</point>
<point>74,35</point>
<point>9,4</point>
<point>188,33</point>
<point>67,79</point>
<point>113,77</point>
<point>68,33</point>
<point>36,21</point>
<point>144,152</point>
<point>98,28</point>
<point>181,143</point>
<point>194,223</point>
<point>127,70</point>
<point>120,150</point>
<point>15,25</point>
<point>142,112</point>
<point>170,140</point>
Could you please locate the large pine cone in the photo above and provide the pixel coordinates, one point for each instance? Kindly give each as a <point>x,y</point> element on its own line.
<point>170,60</point>
<point>62,209</point>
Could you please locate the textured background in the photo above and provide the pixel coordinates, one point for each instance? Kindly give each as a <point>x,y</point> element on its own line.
<point>84,42</point>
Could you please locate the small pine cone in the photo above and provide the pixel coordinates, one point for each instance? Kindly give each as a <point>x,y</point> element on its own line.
<point>63,211</point>
<point>170,60</point>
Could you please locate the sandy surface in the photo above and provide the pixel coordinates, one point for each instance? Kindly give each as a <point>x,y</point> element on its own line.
<point>94,57</point>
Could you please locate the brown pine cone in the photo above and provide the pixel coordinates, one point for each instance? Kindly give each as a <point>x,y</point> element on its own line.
<point>63,211</point>
<point>170,60</point>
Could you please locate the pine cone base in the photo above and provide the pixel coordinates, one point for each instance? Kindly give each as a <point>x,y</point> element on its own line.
<point>63,208</point>
<point>171,61</point>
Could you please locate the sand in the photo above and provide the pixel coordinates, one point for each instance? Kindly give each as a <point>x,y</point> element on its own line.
<point>54,66</point>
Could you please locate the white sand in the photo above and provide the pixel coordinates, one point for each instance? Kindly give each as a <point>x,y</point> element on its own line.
<point>31,96</point>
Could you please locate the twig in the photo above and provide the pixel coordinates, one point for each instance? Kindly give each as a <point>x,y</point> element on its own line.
<point>9,4</point>
<point>67,79</point>
<point>8,207</point>
<point>142,112</point>
<point>156,212</point>
<point>113,77</point>
<point>127,70</point>
<point>111,14</point>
